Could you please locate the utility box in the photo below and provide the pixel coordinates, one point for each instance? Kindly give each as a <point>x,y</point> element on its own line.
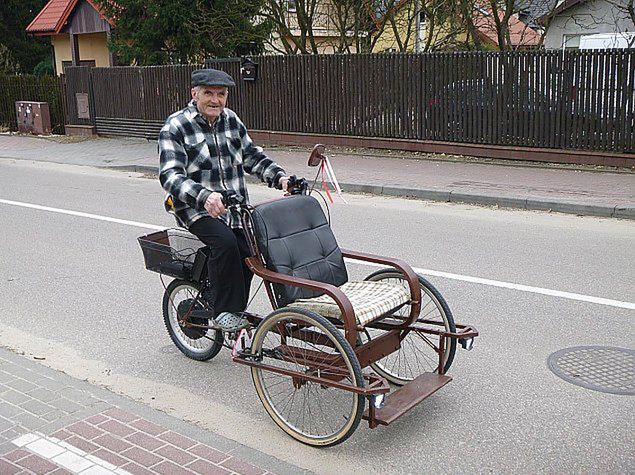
<point>33,117</point>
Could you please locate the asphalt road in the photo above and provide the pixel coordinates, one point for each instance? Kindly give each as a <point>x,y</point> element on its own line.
<point>76,295</point>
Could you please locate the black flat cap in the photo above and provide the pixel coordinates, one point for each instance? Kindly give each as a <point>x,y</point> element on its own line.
<point>211,77</point>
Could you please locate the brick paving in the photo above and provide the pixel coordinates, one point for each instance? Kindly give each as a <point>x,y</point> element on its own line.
<point>53,424</point>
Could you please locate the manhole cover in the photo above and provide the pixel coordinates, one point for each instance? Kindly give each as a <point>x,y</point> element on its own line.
<point>601,368</point>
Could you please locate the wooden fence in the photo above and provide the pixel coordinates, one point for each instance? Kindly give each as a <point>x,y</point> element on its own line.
<point>577,100</point>
<point>32,88</point>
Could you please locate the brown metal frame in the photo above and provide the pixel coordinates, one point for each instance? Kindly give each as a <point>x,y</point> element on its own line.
<point>366,353</point>
<point>257,266</point>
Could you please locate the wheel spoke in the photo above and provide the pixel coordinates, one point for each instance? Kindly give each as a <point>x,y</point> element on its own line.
<point>418,352</point>
<point>315,414</point>
<point>195,342</point>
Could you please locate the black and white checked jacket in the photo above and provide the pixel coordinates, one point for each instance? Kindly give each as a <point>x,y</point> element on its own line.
<point>197,159</point>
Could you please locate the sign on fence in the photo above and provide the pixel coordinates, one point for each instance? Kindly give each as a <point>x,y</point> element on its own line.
<point>83,109</point>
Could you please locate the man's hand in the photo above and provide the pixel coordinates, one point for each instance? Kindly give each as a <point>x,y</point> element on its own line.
<point>214,205</point>
<point>284,183</point>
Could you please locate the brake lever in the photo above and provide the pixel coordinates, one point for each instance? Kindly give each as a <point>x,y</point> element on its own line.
<point>230,199</point>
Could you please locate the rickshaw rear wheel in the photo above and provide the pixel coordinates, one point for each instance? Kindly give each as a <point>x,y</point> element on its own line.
<point>416,355</point>
<point>312,413</point>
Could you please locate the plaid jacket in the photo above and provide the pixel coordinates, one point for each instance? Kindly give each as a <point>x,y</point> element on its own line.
<point>197,159</point>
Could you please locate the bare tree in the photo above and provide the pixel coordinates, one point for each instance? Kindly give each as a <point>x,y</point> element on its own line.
<point>419,25</point>
<point>443,25</point>
<point>466,12</point>
<point>292,23</point>
<point>359,26</point>
<point>502,12</point>
<point>499,20</point>
<point>619,18</point>
<point>351,21</point>
<point>625,9</point>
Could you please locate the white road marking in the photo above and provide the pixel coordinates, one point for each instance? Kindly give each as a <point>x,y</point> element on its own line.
<point>65,455</point>
<point>446,275</point>
<point>510,285</point>
<point>83,215</point>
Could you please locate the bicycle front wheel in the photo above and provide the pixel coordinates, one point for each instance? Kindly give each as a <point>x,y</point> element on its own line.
<point>179,302</point>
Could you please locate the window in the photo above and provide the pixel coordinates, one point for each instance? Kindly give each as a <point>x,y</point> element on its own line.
<point>571,41</point>
<point>422,27</point>
<point>420,31</point>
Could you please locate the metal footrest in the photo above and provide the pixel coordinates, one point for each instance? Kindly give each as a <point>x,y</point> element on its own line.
<point>405,398</point>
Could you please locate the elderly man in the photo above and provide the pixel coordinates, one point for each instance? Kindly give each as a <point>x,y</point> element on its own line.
<point>204,152</point>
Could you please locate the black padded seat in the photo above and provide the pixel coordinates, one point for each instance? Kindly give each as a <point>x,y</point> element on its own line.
<point>295,239</point>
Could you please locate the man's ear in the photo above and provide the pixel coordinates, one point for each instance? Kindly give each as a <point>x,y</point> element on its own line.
<point>193,91</point>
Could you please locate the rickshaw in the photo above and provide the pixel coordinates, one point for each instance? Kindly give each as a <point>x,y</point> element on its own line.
<point>332,351</point>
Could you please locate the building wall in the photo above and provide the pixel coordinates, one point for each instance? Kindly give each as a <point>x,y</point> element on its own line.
<point>324,29</point>
<point>586,18</point>
<point>406,30</point>
<point>325,45</point>
<point>406,26</point>
<point>92,46</point>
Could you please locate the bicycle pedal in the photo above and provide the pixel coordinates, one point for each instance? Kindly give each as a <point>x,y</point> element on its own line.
<point>242,343</point>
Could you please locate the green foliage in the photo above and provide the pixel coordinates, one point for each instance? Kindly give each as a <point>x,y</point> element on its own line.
<point>8,64</point>
<point>182,31</point>
<point>230,28</point>
<point>44,67</point>
<point>15,16</point>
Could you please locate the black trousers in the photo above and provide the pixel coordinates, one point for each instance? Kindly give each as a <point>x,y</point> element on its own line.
<point>229,276</point>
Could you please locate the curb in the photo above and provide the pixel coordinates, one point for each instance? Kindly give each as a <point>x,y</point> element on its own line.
<point>483,199</point>
<point>621,211</point>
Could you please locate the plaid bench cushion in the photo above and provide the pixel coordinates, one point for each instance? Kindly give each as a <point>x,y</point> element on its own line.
<point>370,300</point>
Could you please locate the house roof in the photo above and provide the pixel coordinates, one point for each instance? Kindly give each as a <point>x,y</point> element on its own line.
<point>520,33</point>
<point>530,11</point>
<point>53,17</point>
<point>565,5</point>
<point>535,8</point>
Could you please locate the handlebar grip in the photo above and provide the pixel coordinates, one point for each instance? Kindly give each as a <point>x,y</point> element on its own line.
<point>231,198</point>
<point>297,186</point>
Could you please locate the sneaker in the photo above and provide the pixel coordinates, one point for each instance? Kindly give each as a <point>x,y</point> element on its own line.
<point>229,322</point>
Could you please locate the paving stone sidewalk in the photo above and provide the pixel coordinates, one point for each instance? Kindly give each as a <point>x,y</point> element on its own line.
<point>51,423</point>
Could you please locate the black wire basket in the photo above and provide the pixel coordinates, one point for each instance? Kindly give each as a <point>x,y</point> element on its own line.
<point>174,252</point>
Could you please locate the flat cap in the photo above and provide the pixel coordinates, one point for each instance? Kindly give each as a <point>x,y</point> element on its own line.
<point>211,77</point>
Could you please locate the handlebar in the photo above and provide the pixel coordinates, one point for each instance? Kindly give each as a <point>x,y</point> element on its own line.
<point>231,198</point>
<point>296,186</point>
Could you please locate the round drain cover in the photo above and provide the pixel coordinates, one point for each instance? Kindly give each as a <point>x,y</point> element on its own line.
<point>601,368</point>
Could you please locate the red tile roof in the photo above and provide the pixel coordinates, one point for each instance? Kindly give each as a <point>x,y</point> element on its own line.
<point>54,16</point>
<point>520,34</point>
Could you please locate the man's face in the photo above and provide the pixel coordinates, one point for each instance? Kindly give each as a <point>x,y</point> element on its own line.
<point>210,100</point>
